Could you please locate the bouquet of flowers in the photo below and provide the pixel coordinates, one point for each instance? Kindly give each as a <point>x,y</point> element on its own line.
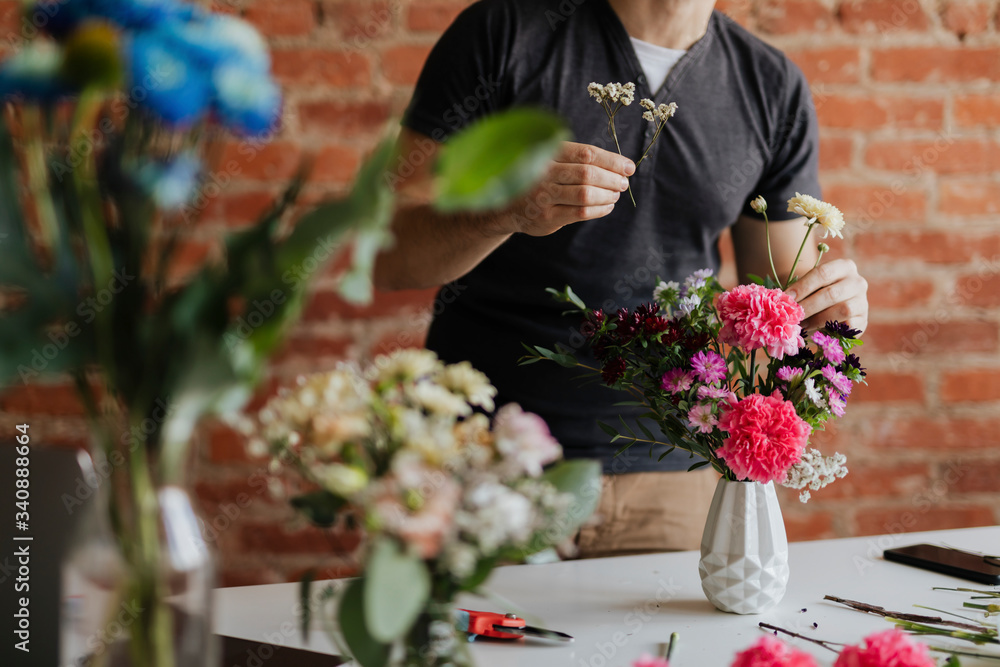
<point>728,376</point>
<point>406,448</point>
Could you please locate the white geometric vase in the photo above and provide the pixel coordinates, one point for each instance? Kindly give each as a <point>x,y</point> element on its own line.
<point>744,550</point>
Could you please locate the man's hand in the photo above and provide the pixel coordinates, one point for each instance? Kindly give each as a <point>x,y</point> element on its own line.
<point>832,291</point>
<point>583,183</point>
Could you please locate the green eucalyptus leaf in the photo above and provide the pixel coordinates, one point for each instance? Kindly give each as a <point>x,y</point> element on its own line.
<point>397,585</point>
<point>496,159</point>
<point>351,616</point>
<point>607,428</point>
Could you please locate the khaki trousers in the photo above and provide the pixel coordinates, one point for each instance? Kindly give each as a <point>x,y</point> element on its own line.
<point>647,512</point>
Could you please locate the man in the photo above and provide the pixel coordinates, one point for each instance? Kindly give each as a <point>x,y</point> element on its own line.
<point>745,127</point>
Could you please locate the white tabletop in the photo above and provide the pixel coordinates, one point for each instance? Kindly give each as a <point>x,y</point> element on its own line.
<point>619,608</point>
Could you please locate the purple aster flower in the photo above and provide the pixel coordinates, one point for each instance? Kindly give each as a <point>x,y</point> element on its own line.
<point>837,403</point>
<point>853,362</point>
<point>676,380</point>
<point>697,279</point>
<point>838,380</point>
<point>831,347</point>
<point>709,366</point>
<point>788,373</point>
<point>701,418</point>
<point>840,329</point>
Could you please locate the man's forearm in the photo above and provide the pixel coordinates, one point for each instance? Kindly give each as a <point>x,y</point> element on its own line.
<point>432,248</point>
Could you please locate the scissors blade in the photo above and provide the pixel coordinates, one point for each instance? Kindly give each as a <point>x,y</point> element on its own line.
<point>542,633</point>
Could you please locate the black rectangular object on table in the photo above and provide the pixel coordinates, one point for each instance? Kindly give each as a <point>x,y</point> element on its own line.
<point>954,562</point>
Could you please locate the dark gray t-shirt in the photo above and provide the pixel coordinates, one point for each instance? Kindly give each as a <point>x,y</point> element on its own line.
<point>745,126</point>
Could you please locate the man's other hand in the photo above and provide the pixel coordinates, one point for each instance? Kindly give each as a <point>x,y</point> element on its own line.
<point>832,291</point>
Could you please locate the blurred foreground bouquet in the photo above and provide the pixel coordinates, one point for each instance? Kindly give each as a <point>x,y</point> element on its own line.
<point>111,118</point>
<point>444,492</point>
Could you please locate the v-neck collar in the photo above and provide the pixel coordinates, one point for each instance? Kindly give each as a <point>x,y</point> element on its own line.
<point>627,51</point>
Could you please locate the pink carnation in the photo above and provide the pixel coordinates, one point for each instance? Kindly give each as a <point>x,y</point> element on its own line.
<point>755,317</point>
<point>771,652</point>
<point>890,648</point>
<point>647,660</point>
<point>766,437</point>
<point>676,380</point>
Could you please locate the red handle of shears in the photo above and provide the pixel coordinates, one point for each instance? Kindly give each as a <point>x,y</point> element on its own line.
<point>482,622</point>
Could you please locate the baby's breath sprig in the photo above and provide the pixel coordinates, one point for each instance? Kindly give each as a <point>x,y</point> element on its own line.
<point>655,114</point>
<point>612,97</point>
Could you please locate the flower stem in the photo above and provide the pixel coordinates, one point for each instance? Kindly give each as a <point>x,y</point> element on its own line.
<point>791,272</point>
<point>819,642</point>
<point>770,256</point>
<point>614,135</point>
<point>672,645</point>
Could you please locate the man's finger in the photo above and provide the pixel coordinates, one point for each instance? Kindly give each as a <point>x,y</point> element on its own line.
<point>572,173</point>
<point>824,274</point>
<point>582,195</point>
<point>587,154</point>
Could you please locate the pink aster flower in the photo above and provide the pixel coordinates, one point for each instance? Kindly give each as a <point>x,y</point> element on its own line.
<point>713,392</point>
<point>709,366</point>
<point>788,373</point>
<point>838,380</point>
<point>676,380</point>
<point>837,403</point>
<point>701,417</point>
<point>766,437</point>
<point>771,652</point>
<point>647,660</point>
<point>890,648</point>
<point>831,347</point>
<point>754,317</point>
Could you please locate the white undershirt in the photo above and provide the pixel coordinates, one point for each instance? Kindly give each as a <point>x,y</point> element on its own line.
<point>656,61</point>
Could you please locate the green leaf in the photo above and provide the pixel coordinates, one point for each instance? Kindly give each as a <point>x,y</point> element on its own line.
<point>397,586</point>
<point>607,428</point>
<point>754,278</point>
<point>664,454</point>
<point>496,159</point>
<point>699,464</point>
<point>320,507</point>
<point>645,430</point>
<point>352,618</point>
<point>574,299</point>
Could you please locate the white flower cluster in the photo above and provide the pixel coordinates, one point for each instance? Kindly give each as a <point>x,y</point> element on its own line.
<point>401,444</point>
<point>661,113</point>
<point>622,93</point>
<point>814,471</point>
<point>815,210</point>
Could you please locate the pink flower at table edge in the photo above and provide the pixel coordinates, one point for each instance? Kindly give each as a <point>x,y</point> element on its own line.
<point>647,660</point>
<point>889,648</point>
<point>524,437</point>
<point>755,317</point>
<point>771,652</point>
<point>766,437</point>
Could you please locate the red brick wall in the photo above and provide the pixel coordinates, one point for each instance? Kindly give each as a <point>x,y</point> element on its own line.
<point>907,94</point>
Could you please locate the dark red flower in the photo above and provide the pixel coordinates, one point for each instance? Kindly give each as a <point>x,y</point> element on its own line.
<point>696,341</point>
<point>655,324</point>
<point>613,370</point>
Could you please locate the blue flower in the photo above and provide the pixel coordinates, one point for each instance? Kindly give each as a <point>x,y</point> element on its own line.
<point>143,13</point>
<point>220,39</point>
<point>33,73</point>
<point>247,102</point>
<point>164,82</point>
<point>170,184</point>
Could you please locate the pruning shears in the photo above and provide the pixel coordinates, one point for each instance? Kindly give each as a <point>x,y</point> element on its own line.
<point>502,626</point>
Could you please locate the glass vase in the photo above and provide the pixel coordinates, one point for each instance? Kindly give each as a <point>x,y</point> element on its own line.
<point>744,550</point>
<point>126,605</point>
